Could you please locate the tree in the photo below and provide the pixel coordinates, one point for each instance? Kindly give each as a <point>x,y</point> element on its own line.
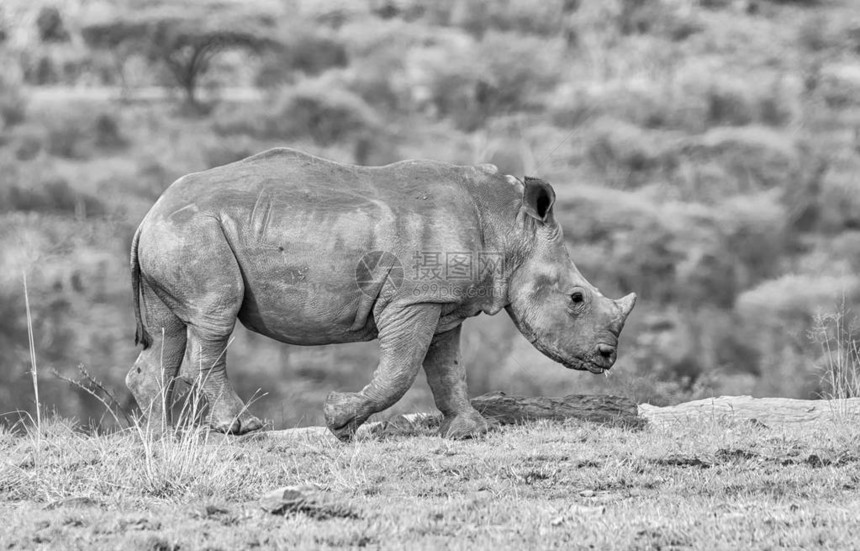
<point>184,44</point>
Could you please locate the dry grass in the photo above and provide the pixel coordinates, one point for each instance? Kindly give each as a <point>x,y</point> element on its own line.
<point>541,485</point>
<point>840,362</point>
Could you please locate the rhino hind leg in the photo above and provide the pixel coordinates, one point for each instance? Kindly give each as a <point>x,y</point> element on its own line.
<point>446,376</point>
<point>207,294</point>
<point>216,301</point>
<point>207,353</point>
<point>404,335</point>
<point>151,378</point>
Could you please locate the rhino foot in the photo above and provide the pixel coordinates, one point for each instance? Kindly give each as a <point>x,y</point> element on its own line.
<point>344,414</point>
<point>239,424</point>
<point>464,425</point>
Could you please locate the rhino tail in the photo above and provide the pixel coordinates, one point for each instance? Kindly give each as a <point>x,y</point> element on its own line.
<point>141,335</point>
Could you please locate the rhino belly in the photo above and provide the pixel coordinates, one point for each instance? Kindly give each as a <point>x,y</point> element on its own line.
<point>305,297</point>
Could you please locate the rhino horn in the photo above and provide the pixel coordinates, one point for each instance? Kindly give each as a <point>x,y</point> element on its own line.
<point>626,305</point>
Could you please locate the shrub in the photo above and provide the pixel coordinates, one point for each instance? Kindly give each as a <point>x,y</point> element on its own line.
<point>816,34</point>
<point>755,236</point>
<point>692,99</point>
<point>469,81</point>
<point>326,116</point>
<point>28,146</point>
<point>69,137</point>
<point>801,3</point>
<point>839,85</point>
<point>13,104</point>
<point>839,202</point>
<point>74,133</point>
<point>319,110</point>
<point>55,64</point>
<point>372,81</point>
<point>728,161</point>
<point>625,154</point>
<point>654,17</point>
<point>836,334</point>
<point>51,195</point>
<point>107,132</point>
<point>777,317</point>
<point>716,4</point>
<point>482,16</point>
<point>151,178</point>
<point>50,25</point>
<point>305,53</point>
<point>729,105</point>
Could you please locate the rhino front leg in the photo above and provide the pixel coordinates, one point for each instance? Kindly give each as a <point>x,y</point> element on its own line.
<point>446,376</point>
<point>404,336</point>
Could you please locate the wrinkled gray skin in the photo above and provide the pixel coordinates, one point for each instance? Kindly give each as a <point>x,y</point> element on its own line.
<point>274,240</point>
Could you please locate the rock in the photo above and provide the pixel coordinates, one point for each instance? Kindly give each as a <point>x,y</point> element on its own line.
<point>307,499</point>
<point>766,411</point>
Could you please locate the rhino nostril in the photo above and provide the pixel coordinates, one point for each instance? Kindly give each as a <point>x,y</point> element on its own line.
<point>606,351</point>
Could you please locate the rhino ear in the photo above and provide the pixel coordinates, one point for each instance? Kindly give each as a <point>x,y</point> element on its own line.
<point>538,198</point>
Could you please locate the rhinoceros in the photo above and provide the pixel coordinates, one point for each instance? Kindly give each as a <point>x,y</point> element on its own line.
<point>309,252</point>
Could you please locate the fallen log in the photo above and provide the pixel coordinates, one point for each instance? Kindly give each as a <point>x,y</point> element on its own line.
<point>763,410</point>
<point>617,411</point>
<point>510,409</point>
<point>507,409</point>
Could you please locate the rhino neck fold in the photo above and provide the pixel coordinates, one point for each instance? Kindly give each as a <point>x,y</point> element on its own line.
<point>499,281</point>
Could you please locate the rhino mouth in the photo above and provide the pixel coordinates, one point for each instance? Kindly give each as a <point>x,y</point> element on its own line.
<point>552,353</point>
<point>568,361</point>
<point>581,365</point>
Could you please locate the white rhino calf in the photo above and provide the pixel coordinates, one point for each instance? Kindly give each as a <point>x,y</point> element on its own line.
<point>308,252</point>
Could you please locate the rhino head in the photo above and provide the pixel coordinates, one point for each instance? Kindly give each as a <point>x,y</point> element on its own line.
<point>552,304</point>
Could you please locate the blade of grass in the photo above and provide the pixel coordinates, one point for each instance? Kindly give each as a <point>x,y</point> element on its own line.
<point>33,370</point>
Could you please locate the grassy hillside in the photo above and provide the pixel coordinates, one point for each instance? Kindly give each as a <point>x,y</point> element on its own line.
<point>716,485</point>
<point>704,152</point>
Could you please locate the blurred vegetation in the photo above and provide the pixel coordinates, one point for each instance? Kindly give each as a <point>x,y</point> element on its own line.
<point>704,153</point>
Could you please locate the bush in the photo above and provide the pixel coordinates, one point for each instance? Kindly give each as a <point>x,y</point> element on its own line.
<point>75,133</point>
<point>304,53</point>
<point>320,110</point>
<point>839,85</point>
<point>50,25</point>
<point>28,145</point>
<point>53,195</point>
<point>777,317</point>
<point>654,17</point>
<point>692,99</point>
<point>468,82</point>
<point>836,334</point>
<point>482,16</point>
<point>68,137</point>
<point>839,203</point>
<point>727,161</point>
<point>107,132</point>
<point>817,34</point>
<point>13,104</point>
<point>626,155</point>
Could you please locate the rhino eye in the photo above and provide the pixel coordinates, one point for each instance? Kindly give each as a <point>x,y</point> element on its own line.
<point>576,297</point>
